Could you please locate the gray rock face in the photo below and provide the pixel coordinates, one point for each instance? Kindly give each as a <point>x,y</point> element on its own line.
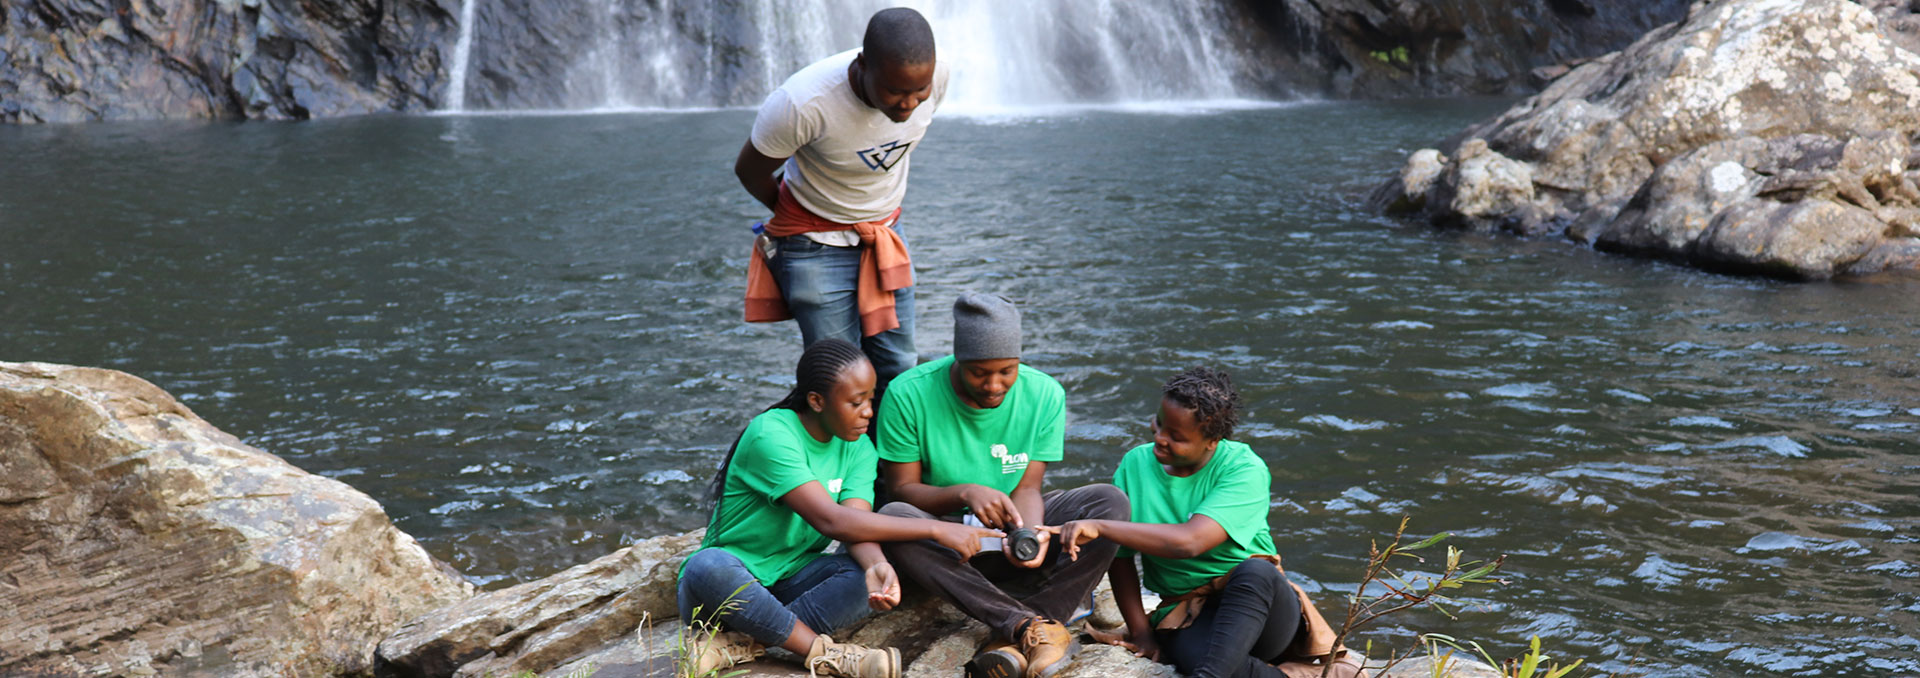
<point>1397,48</point>
<point>77,60</point>
<point>1758,136</point>
<point>137,538</point>
<point>542,624</point>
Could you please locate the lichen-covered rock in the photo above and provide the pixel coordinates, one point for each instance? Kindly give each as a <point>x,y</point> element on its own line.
<point>543,624</point>
<point>140,539</point>
<point>1718,141</point>
<point>78,60</point>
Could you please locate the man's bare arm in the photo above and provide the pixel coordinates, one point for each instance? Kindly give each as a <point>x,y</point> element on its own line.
<point>756,174</point>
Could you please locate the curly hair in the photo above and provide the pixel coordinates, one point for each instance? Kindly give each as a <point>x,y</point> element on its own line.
<point>1211,396</point>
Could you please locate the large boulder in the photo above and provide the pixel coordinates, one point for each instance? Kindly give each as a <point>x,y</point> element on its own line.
<point>137,538</point>
<point>78,60</point>
<point>1765,136</point>
<point>542,624</point>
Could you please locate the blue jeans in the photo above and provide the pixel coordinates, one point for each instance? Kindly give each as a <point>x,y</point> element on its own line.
<point>828,593</point>
<point>819,283</point>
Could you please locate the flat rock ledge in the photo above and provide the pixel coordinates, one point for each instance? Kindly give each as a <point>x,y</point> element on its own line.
<point>615,617</point>
<point>1771,137</point>
<point>136,539</point>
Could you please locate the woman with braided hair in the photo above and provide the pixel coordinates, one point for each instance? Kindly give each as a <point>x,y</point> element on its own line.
<point>799,477</point>
<point>1199,524</point>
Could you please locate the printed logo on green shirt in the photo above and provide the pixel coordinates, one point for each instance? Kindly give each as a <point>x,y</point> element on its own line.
<point>833,486</point>
<point>1009,463</point>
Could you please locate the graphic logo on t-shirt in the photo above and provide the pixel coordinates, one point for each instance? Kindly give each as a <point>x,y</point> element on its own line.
<point>882,158</point>
<point>1009,463</point>
<point>833,486</point>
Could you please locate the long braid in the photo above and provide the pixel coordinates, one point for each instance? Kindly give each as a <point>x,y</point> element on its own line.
<point>820,366</point>
<point>1211,396</point>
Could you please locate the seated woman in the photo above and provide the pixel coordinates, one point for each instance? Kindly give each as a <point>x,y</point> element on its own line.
<point>1199,523</point>
<point>799,477</point>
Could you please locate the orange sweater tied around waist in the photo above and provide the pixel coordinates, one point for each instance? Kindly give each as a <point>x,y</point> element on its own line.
<point>884,266</point>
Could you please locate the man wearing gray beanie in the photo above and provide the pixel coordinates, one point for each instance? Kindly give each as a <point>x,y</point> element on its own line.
<point>968,437</point>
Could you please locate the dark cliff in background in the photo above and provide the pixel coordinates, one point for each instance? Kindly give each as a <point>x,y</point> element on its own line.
<point>78,60</point>
<point>75,60</point>
<point>1374,49</point>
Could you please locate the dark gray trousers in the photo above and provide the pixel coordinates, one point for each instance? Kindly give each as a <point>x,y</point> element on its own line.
<point>999,594</point>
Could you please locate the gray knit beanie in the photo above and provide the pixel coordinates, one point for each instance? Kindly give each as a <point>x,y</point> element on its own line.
<point>985,327</point>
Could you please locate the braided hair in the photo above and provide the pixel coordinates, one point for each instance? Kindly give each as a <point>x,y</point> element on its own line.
<point>1212,397</point>
<point>820,367</point>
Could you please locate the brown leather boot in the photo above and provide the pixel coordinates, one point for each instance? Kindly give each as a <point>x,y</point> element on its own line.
<point>847,660</point>
<point>1046,644</point>
<point>999,659</point>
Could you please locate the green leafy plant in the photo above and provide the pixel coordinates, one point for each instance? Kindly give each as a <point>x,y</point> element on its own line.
<point>1396,56</point>
<point>1525,666</point>
<point>1400,590</point>
<point>697,635</point>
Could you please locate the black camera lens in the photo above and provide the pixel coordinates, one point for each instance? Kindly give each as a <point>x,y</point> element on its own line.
<point>1024,543</point>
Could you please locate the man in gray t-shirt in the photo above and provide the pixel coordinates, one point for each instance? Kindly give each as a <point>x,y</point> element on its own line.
<point>843,129</point>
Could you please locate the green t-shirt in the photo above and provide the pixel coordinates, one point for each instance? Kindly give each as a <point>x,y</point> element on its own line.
<point>1232,489</point>
<point>923,420</point>
<point>775,456</point>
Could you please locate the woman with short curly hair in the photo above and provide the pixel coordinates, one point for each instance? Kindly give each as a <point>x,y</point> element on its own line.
<point>1199,524</point>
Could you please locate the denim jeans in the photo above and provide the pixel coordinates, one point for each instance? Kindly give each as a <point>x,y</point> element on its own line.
<point>827,594</point>
<point>1241,628</point>
<point>819,283</point>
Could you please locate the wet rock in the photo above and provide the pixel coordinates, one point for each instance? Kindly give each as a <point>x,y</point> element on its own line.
<point>1759,136</point>
<point>140,539</point>
<point>79,60</point>
<point>1397,48</point>
<point>542,624</point>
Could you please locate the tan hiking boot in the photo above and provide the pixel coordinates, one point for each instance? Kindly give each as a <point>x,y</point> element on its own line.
<point>724,649</point>
<point>1046,644</point>
<point>847,660</point>
<point>998,660</point>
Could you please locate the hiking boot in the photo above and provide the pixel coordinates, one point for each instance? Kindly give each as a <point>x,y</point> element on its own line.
<point>1046,644</point>
<point>847,660</point>
<point>724,649</point>
<point>998,660</point>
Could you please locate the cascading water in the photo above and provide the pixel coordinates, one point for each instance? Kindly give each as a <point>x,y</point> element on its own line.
<point>462,54</point>
<point>620,54</point>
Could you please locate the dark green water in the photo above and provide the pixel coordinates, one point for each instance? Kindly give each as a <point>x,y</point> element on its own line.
<point>521,336</point>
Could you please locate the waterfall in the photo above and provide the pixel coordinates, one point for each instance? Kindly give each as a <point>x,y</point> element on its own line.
<point>622,54</point>
<point>462,53</point>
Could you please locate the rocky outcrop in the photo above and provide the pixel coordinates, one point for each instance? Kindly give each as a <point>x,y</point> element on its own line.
<point>542,624</point>
<point>77,60</point>
<point>1399,48</point>
<point>136,538</point>
<point>615,617</point>
<point>1758,136</point>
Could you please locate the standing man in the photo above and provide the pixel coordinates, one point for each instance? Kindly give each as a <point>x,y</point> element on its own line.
<point>969,437</point>
<point>842,129</point>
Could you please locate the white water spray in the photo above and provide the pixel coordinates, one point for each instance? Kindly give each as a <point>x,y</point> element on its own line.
<point>462,52</point>
<point>652,54</point>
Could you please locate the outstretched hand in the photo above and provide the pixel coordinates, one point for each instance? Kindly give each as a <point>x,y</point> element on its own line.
<point>883,587</point>
<point>1076,533</point>
<point>963,539</point>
